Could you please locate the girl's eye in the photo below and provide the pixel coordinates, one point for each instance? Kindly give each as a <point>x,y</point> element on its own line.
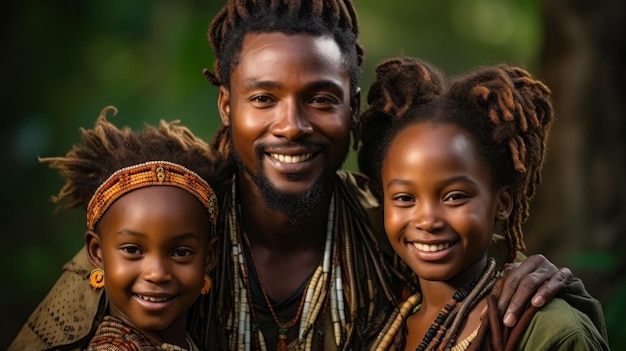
<point>456,197</point>
<point>181,252</point>
<point>404,198</point>
<point>132,250</point>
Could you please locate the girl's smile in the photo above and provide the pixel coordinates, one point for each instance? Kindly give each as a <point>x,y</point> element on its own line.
<point>154,247</point>
<point>440,200</point>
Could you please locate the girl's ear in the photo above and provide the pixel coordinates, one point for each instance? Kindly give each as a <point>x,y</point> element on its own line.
<point>505,203</point>
<point>211,258</point>
<point>94,248</point>
<point>223,105</point>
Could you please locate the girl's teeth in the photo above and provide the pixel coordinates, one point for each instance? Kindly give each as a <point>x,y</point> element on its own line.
<point>431,248</point>
<point>153,299</point>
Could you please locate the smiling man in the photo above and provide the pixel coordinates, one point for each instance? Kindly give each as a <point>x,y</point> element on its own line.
<point>291,109</point>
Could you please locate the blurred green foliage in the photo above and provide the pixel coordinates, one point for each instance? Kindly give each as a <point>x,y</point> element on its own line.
<point>66,60</point>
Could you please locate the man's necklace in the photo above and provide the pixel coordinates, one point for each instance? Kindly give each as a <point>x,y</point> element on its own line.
<point>283,328</point>
<point>326,283</point>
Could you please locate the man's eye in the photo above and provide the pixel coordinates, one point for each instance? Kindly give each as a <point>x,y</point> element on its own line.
<point>261,99</point>
<point>323,100</point>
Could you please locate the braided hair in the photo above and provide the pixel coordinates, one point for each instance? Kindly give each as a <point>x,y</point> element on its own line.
<point>333,18</point>
<point>105,149</point>
<point>507,111</point>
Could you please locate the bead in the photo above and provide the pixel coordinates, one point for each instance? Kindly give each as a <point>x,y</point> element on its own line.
<point>149,174</point>
<point>323,283</point>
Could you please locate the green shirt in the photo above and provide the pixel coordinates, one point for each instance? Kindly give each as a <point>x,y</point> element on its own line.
<point>558,326</point>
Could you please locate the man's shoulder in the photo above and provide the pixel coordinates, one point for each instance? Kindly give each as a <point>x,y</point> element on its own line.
<point>66,315</point>
<point>557,323</point>
<point>359,185</point>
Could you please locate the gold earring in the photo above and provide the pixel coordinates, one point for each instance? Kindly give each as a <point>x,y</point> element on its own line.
<point>96,279</point>
<point>206,286</point>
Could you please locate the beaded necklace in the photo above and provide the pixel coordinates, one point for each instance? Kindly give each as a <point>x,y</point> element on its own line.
<point>283,328</point>
<point>438,326</point>
<point>325,283</point>
<point>442,333</point>
<point>172,347</point>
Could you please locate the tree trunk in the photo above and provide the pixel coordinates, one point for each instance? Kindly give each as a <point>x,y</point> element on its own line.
<point>578,218</point>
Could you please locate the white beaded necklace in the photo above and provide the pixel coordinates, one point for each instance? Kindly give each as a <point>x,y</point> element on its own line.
<point>326,276</point>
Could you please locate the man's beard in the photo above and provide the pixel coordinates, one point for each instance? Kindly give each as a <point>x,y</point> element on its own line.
<point>294,205</point>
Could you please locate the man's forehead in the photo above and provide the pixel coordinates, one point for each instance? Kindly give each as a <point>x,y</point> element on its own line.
<point>270,59</point>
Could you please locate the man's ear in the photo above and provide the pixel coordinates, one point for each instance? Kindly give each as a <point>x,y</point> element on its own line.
<point>211,258</point>
<point>505,203</point>
<point>94,248</point>
<point>223,105</point>
<point>355,107</point>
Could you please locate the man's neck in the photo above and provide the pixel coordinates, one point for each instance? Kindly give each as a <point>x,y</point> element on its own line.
<point>273,229</point>
<point>285,254</point>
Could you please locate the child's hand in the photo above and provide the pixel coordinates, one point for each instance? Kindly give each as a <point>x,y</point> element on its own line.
<point>535,278</point>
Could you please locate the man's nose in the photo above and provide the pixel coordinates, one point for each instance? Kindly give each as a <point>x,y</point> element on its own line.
<point>292,122</point>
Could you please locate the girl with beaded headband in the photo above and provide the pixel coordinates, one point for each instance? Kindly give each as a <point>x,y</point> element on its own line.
<point>151,228</point>
<point>453,162</point>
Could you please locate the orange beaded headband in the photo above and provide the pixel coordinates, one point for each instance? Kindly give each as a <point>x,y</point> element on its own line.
<point>149,174</point>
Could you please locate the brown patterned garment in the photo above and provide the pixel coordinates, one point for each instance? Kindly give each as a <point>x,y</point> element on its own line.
<point>114,335</point>
<point>68,314</point>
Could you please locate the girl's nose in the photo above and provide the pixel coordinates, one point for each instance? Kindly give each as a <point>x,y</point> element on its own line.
<point>427,218</point>
<point>156,270</point>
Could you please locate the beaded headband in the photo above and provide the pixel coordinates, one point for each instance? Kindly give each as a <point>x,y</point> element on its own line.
<point>149,174</point>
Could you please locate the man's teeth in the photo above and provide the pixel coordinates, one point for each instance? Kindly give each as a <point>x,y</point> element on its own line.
<point>153,299</point>
<point>292,158</point>
<point>431,248</point>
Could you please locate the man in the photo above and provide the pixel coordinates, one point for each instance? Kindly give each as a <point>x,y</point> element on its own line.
<point>303,264</point>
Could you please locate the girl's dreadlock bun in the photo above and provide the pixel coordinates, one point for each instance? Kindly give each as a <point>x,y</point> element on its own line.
<point>512,116</point>
<point>400,85</point>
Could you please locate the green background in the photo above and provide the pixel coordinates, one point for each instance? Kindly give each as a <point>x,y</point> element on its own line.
<point>63,61</point>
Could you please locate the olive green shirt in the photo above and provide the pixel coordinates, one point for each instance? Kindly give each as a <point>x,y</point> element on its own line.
<point>559,326</point>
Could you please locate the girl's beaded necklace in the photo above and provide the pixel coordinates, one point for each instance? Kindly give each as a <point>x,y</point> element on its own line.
<point>442,333</point>
<point>438,327</point>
